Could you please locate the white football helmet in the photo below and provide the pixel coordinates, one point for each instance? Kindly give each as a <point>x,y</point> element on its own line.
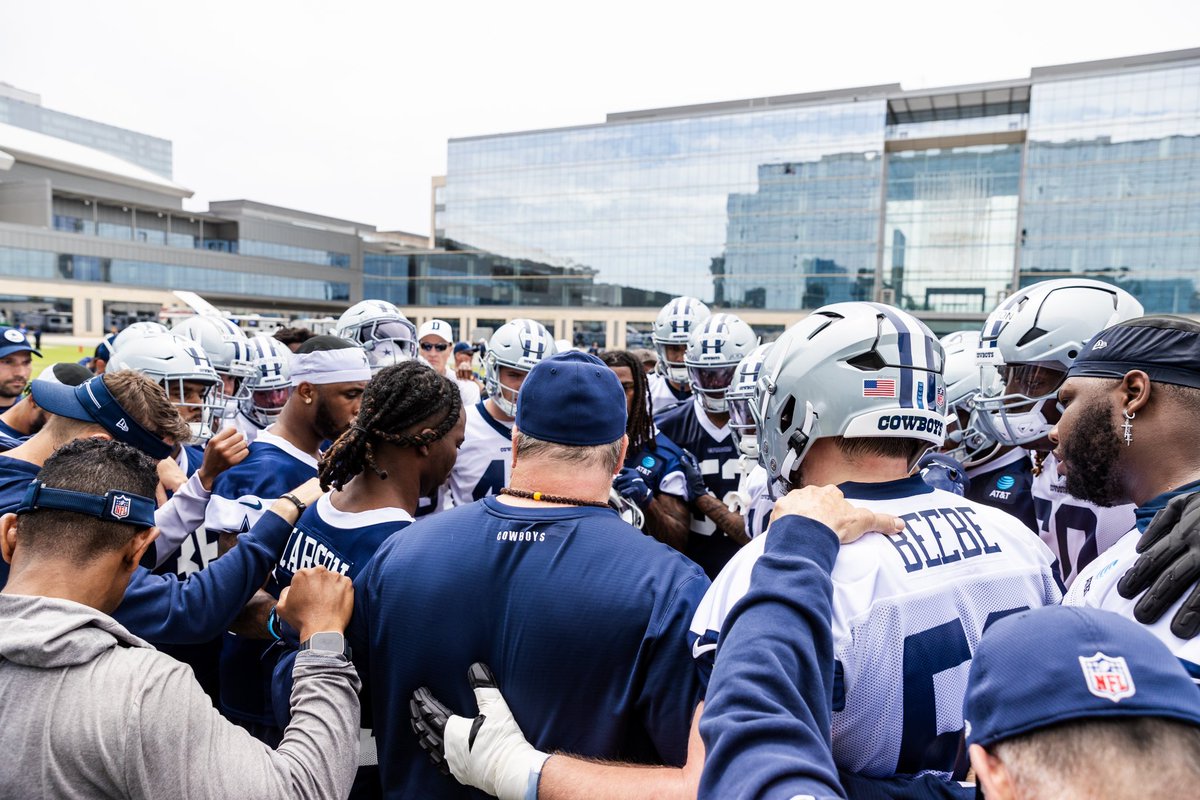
<point>519,344</point>
<point>966,441</point>
<point>270,385</point>
<point>713,351</point>
<point>672,326</point>
<point>228,349</point>
<point>173,363</point>
<point>381,329</point>
<point>626,509</point>
<point>1032,338</point>
<point>138,330</point>
<point>858,370</point>
<point>740,394</point>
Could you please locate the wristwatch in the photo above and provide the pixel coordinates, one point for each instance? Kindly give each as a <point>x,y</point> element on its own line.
<point>327,642</point>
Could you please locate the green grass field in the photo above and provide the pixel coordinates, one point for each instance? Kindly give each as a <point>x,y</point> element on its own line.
<point>54,353</point>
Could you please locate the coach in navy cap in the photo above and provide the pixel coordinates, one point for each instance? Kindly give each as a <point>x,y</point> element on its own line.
<point>16,365</point>
<point>1074,702</point>
<point>582,618</point>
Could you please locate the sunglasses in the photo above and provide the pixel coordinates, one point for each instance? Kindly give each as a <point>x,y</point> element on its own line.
<point>441,348</point>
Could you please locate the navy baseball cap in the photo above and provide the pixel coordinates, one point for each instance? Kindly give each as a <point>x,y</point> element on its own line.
<point>463,347</point>
<point>572,398</point>
<point>1062,663</point>
<point>13,341</point>
<point>91,401</point>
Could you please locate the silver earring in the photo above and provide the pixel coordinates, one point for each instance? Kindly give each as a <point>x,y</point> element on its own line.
<point>1127,425</point>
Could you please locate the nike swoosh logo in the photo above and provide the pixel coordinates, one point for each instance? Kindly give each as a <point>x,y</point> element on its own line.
<point>256,505</point>
<point>700,649</point>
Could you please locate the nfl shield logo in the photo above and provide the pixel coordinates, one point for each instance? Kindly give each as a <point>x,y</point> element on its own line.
<point>1107,677</point>
<point>120,506</point>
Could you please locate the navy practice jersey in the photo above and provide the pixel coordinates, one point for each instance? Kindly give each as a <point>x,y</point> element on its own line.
<point>908,611</point>
<point>659,466</point>
<point>1075,530</point>
<point>664,396</point>
<point>342,542</point>
<point>240,496</point>
<point>1006,483</point>
<point>582,619</point>
<point>484,461</point>
<point>9,432</point>
<point>689,427</point>
<point>784,619</point>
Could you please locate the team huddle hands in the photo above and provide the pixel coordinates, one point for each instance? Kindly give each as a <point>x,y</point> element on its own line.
<point>634,545</point>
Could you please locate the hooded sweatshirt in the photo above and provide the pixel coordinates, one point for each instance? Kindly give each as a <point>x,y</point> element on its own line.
<point>89,710</point>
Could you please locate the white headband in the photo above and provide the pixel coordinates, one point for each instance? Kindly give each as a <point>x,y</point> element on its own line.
<point>331,366</point>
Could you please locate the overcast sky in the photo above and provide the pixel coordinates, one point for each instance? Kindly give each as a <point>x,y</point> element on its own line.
<point>344,108</point>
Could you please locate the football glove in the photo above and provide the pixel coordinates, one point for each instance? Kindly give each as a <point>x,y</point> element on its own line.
<point>943,472</point>
<point>488,752</point>
<point>1168,567</point>
<point>696,488</point>
<point>630,485</point>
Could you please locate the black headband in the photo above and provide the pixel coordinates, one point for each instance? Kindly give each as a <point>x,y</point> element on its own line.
<point>1168,355</point>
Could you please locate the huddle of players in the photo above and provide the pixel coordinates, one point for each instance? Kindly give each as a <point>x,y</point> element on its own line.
<point>704,469</point>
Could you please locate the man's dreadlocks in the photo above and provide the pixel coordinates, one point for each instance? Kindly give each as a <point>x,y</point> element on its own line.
<point>640,426</point>
<point>397,398</point>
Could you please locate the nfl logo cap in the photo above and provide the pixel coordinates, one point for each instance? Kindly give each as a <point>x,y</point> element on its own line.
<point>436,327</point>
<point>13,341</point>
<point>1060,663</point>
<point>572,398</point>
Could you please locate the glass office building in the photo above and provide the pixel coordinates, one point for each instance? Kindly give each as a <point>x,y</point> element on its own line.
<point>941,201</point>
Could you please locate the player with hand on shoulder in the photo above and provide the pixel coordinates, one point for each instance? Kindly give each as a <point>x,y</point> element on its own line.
<point>1033,337</point>
<point>652,476</point>
<point>485,459</point>
<point>852,396</point>
<point>669,385</point>
<point>701,428</point>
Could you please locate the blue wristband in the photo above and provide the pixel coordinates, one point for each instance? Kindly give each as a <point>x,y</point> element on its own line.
<point>273,625</point>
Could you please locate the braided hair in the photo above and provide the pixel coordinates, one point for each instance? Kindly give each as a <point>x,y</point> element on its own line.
<point>640,426</point>
<point>397,398</point>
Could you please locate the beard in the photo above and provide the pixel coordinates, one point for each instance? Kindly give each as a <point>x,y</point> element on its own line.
<point>324,423</point>
<point>1091,455</point>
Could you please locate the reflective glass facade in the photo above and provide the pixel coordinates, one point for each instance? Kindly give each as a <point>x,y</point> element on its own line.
<point>941,201</point>
<point>949,237</point>
<point>680,205</point>
<point>1112,184</point>
<point>45,265</point>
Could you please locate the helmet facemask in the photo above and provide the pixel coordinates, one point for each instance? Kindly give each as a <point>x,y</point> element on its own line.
<point>210,408</point>
<point>1019,417</point>
<point>265,405</point>
<point>674,371</point>
<point>710,385</point>
<point>388,342</point>
<point>505,397</point>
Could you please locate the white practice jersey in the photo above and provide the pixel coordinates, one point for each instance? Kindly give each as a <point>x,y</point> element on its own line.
<point>1097,588</point>
<point>248,427</point>
<point>662,396</point>
<point>908,611</point>
<point>759,502</point>
<point>484,462</point>
<point>1075,530</point>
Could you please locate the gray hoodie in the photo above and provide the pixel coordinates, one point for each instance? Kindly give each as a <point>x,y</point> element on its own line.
<point>89,710</point>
